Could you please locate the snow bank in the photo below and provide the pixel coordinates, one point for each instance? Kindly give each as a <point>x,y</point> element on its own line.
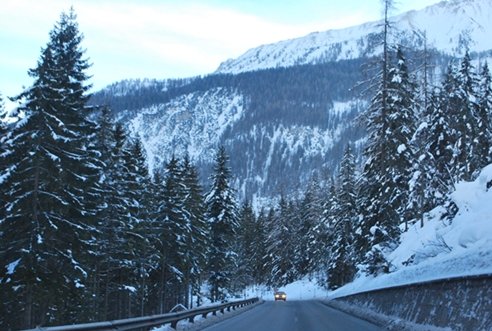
<point>441,249</point>
<point>200,322</point>
<point>304,289</point>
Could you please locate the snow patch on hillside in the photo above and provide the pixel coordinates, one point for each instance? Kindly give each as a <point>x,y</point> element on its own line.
<point>340,107</point>
<point>187,125</point>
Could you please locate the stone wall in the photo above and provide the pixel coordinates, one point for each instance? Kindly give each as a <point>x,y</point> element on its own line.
<point>463,303</point>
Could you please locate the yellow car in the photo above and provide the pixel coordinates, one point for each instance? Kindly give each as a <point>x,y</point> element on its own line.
<point>280,296</point>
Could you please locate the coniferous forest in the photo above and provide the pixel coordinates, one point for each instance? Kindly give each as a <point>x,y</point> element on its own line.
<point>88,234</point>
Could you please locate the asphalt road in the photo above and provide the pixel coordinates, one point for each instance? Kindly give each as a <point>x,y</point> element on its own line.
<point>293,316</point>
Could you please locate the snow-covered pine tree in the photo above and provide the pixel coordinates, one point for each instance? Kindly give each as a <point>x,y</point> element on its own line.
<point>159,242</point>
<point>373,197</point>
<point>341,268</point>
<point>51,207</point>
<point>117,228</point>
<point>439,142</point>
<point>282,242</point>
<point>223,220</point>
<point>197,239</point>
<point>104,143</point>
<point>137,183</point>
<point>309,239</point>
<point>466,120</point>
<point>176,226</point>
<point>246,247</point>
<point>260,260</point>
<point>402,116</point>
<point>387,171</point>
<point>421,197</point>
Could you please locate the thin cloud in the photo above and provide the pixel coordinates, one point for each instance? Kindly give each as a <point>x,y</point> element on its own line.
<point>157,39</point>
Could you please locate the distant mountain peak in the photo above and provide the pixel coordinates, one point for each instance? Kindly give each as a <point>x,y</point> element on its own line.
<point>451,27</point>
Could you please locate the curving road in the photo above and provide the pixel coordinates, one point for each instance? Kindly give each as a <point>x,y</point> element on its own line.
<point>293,316</point>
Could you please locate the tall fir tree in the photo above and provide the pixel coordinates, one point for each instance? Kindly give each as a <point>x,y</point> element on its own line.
<point>104,142</point>
<point>308,233</point>
<point>223,220</point>
<point>440,141</point>
<point>49,226</point>
<point>175,223</point>
<point>402,114</point>
<point>197,234</point>
<point>116,241</point>
<point>246,247</point>
<point>260,258</point>
<point>387,171</point>
<point>341,269</point>
<point>282,242</point>
<point>466,121</point>
<point>137,183</point>
<point>450,138</point>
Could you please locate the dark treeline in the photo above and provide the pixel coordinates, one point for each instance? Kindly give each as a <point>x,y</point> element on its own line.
<point>316,84</point>
<point>272,93</point>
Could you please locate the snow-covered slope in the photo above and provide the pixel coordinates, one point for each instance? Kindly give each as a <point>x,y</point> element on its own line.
<point>450,26</point>
<point>442,249</point>
<point>187,125</point>
<point>294,120</point>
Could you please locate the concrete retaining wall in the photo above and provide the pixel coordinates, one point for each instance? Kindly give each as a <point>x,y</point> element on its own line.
<point>463,303</point>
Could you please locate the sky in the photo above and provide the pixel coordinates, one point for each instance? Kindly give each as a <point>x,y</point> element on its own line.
<point>167,38</point>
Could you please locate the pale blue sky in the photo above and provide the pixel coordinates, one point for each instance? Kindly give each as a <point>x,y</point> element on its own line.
<point>168,38</point>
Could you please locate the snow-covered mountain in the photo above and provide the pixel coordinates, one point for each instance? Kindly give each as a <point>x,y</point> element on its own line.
<point>286,110</point>
<point>190,126</point>
<point>449,26</point>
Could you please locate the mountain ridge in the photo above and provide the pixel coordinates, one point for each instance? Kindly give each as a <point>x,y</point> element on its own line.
<point>451,27</point>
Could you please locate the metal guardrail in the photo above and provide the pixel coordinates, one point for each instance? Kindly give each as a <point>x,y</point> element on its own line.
<point>150,321</point>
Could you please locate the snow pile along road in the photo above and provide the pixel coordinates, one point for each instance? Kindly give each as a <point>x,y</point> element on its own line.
<point>304,289</point>
<point>441,249</point>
